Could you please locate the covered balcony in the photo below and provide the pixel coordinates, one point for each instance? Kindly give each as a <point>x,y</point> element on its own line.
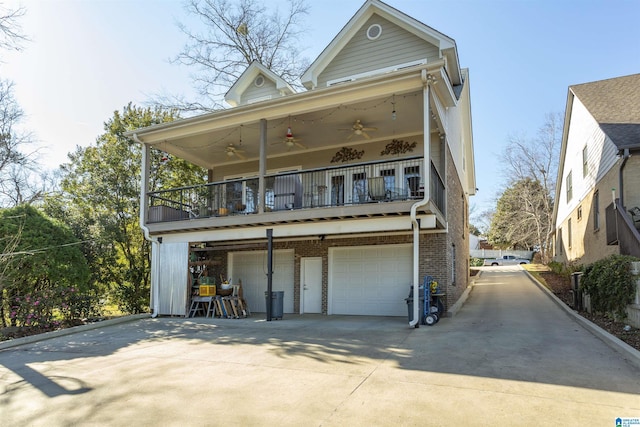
<point>366,149</point>
<point>366,189</point>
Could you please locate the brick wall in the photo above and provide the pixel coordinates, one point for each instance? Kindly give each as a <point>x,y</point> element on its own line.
<point>436,248</point>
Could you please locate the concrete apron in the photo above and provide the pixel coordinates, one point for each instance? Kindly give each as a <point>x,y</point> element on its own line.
<point>481,367</point>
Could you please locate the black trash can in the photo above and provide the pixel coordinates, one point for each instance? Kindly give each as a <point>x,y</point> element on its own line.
<point>410,307</point>
<point>277,302</point>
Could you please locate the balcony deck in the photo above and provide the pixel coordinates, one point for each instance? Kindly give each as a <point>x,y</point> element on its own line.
<point>357,191</point>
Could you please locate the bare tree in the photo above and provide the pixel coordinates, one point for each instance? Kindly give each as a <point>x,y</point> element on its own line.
<point>534,161</point>
<point>17,167</point>
<point>235,34</point>
<point>11,36</point>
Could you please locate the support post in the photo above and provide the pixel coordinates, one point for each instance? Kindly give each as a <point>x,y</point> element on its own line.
<point>269,272</point>
<point>262,167</point>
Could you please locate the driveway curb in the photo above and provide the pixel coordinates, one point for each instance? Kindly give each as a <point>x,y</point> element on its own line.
<point>68,331</point>
<point>463,298</point>
<point>632,355</point>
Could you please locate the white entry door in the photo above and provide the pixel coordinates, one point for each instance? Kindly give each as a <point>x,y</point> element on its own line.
<point>311,285</point>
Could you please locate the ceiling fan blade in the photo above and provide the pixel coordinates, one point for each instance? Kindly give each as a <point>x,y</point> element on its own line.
<point>365,135</point>
<point>370,129</point>
<point>240,155</point>
<point>301,145</point>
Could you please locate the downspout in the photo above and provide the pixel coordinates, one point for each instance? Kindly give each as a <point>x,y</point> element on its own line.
<point>426,80</point>
<point>143,225</point>
<point>625,157</point>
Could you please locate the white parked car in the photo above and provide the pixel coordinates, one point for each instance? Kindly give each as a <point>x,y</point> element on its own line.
<point>506,260</point>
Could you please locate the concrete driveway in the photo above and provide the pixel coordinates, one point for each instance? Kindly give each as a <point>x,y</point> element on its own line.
<point>511,356</point>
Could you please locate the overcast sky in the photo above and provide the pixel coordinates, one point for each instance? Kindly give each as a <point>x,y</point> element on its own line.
<point>89,58</point>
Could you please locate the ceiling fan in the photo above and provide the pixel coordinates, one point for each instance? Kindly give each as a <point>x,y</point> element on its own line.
<point>358,129</point>
<point>290,141</point>
<point>231,151</point>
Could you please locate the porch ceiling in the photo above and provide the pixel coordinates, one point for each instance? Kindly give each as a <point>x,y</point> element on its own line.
<point>315,125</point>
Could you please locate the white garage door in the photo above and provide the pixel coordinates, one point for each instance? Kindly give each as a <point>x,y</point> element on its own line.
<point>370,280</point>
<point>251,268</point>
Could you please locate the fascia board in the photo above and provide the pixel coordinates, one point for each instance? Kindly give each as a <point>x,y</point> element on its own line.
<point>344,226</point>
<point>471,164</point>
<point>563,153</point>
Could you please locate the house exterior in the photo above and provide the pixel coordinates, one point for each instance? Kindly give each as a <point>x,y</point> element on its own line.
<point>599,172</point>
<point>344,196</point>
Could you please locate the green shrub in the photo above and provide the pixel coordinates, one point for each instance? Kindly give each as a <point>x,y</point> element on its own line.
<point>476,262</point>
<point>610,285</point>
<point>558,268</point>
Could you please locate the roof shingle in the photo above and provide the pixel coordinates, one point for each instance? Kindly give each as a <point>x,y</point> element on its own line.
<point>615,104</point>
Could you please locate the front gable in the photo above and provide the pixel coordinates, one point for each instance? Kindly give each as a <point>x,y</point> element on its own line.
<point>257,83</point>
<point>380,39</point>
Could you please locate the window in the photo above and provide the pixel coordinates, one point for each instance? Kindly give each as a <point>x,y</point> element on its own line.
<point>374,31</point>
<point>569,185</point>
<point>389,178</point>
<point>596,211</point>
<point>453,264</point>
<point>359,194</point>
<point>337,190</point>
<point>569,234</point>
<point>412,177</point>
<point>579,212</point>
<point>585,165</point>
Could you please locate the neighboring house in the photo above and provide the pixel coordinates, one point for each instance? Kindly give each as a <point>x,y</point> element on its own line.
<point>599,165</point>
<point>356,188</point>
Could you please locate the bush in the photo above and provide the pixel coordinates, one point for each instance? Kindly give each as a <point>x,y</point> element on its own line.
<point>610,285</point>
<point>476,262</point>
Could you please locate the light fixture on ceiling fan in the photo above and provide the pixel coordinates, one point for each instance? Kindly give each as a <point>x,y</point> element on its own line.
<point>359,129</point>
<point>289,140</point>
<point>232,151</point>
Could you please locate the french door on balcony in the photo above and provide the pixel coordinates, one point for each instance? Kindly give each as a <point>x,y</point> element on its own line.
<point>346,187</point>
<point>375,183</point>
<point>400,180</point>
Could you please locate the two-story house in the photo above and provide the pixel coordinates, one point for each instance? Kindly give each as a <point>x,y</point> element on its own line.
<point>343,195</point>
<point>599,172</point>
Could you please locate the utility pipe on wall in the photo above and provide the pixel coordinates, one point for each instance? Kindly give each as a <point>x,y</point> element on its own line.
<point>625,157</point>
<point>426,95</point>
<point>144,185</point>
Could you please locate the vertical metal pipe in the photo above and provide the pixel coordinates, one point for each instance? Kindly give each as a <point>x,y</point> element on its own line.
<point>269,272</point>
<point>625,157</point>
<point>425,199</point>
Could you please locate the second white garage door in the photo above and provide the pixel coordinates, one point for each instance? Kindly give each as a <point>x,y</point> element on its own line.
<point>370,280</point>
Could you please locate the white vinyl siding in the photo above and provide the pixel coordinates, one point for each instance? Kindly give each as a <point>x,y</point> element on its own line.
<point>170,262</point>
<point>601,157</point>
<point>267,91</point>
<point>395,46</point>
